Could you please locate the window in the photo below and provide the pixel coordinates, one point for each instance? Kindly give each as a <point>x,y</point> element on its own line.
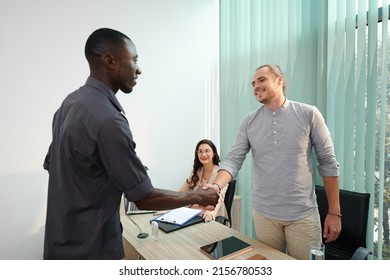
<point>376,102</point>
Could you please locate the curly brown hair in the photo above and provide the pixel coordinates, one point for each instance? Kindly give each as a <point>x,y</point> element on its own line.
<point>197,164</point>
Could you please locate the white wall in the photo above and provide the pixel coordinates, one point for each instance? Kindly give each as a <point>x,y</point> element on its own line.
<point>174,105</point>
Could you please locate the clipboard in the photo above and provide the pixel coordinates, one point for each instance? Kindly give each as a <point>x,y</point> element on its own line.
<point>167,228</point>
<point>178,216</point>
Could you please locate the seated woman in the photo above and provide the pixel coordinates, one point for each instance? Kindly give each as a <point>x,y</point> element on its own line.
<point>204,171</point>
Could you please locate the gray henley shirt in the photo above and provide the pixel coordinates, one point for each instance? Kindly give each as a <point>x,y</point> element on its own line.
<point>281,143</point>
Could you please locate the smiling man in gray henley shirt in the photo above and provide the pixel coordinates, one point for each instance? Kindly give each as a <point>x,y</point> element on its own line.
<point>281,135</point>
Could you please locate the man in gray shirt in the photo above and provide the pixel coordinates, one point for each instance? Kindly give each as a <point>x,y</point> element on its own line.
<point>92,160</point>
<point>281,135</point>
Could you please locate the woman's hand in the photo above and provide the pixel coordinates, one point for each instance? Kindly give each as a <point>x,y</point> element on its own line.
<point>207,216</point>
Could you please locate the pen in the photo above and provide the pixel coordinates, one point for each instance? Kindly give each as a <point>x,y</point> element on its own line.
<point>168,221</point>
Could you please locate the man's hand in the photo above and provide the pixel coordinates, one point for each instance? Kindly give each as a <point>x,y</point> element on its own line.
<point>208,198</point>
<point>211,186</point>
<point>332,228</point>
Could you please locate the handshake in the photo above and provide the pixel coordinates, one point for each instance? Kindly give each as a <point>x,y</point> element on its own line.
<point>208,196</point>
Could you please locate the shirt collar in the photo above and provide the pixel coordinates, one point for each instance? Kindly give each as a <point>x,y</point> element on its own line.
<point>286,103</point>
<point>100,86</point>
<point>284,106</point>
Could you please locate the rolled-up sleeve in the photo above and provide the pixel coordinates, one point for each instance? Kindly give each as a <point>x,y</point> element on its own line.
<point>323,145</point>
<point>124,167</point>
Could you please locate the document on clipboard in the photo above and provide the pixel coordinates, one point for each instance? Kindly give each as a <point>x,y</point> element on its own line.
<point>178,216</point>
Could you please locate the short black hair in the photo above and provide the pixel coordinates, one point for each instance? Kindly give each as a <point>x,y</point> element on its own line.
<point>99,41</point>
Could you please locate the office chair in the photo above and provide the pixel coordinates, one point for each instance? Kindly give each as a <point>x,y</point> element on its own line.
<point>229,195</point>
<point>351,243</point>
<point>361,254</point>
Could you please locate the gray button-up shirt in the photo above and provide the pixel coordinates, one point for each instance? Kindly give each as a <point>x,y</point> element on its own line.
<point>91,162</point>
<point>281,143</point>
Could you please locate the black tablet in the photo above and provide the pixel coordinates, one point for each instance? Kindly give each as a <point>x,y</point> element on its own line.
<point>226,248</point>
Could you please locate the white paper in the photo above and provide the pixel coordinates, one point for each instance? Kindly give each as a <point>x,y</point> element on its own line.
<point>179,216</point>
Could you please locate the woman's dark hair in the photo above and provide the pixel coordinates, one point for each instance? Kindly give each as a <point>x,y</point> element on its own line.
<point>197,164</point>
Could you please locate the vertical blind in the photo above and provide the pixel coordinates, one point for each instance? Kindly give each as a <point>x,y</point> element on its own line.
<point>335,56</point>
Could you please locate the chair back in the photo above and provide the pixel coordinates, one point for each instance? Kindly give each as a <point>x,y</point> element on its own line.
<point>354,208</point>
<point>229,195</point>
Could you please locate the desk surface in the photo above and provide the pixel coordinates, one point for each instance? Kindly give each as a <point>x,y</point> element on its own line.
<point>184,244</point>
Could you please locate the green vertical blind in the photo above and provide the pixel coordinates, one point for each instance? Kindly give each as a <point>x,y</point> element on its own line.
<point>357,97</point>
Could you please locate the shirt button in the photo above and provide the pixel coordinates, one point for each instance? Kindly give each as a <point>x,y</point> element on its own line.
<point>274,142</point>
<point>274,132</point>
<point>274,122</point>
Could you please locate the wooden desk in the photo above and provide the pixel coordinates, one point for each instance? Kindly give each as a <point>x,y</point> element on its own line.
<point>184,244</point>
